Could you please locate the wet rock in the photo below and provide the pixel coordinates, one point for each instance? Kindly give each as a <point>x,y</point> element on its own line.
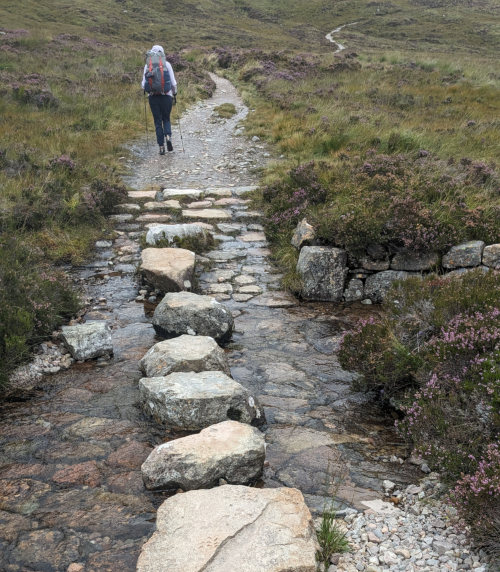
<point>173,232</point>
<point>242,297</point>
<point>86,473</point>
<point>377,285</point>
<point>224,256</point>
<point>184,353</point>
<point>188,313</point>
<point>130,455</point>
<point>21,495</point>
<point>126,483</point>
<point>303,235</point>
<point>266,529</point>
<point>168,269</point>
<point>464,255</point>
<point>47,549</point>
<point>193,401</point>
<point>275,299</point>
<point>323,271</point>
<point>491,256</point>
<point>252,289</point>
<point>229,450</point>
<point>87,341</point>
<point>355,290</point>
<point>413,262</point>
<point>11,525</point>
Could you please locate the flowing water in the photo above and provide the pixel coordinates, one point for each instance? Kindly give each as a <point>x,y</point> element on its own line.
<point>71,492</point>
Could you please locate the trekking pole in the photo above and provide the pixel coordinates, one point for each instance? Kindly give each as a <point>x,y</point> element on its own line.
<point>179,124</point>
<point>146,122</point>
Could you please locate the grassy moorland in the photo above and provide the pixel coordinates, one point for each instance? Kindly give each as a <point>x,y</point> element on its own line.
<point>394,141</point>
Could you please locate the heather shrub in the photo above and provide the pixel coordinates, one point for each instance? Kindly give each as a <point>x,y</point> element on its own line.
<point>34,299</point>
<point>436,356</point>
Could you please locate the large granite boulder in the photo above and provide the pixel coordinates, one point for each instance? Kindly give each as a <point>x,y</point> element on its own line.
<point>491,256</point>
<point>184,353</point>
<point>192,401</point>
<point>464,255</point>
<point>168,269</point>
<point>323,271</point>
<point>229,450</point>
<point>87,341</point>
<point>303,235</point>
<point>232,528</point>
<point>188,313</point>
<point>377,285</point>
<point>171,233</point>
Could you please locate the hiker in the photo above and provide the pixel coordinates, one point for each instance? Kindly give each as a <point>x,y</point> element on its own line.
<point>158,81</point>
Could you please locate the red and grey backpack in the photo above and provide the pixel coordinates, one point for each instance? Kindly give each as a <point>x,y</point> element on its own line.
<point>157,76</point>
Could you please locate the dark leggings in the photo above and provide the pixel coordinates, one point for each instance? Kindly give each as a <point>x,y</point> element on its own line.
<point>161,106</point>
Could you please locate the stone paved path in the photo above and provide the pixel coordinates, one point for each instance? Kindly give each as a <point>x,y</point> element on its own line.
<point>71,496</point>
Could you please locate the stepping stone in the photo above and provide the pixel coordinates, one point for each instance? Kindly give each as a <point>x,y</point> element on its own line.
<point>206,214</point>
<point>230,201</point>
<point>87,341</point>
<point>228,228</point>
<point>168,269</point>
<point>250,289</point>
<point>253,237</point>
<point>184,353</point>
<point>163,205</point>
<point>229,450</point>
<point>171,232</point>
<point>188,313</point>
<point>128,207</point>
<point>219,192</point>
<point>154,217</point>
<point>275,300</point>
<point>219,288</point>
<point>193,193</point>
<point>224,256</point>
<point>247,214</point>
<point>142,194</point>
<point>232,528</point>
<point>242,297</point>
<point>244,280</point>
<point>199,204</point>
<point>191,401</point>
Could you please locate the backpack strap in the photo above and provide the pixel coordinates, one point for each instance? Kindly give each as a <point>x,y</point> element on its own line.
<point>162,76</point>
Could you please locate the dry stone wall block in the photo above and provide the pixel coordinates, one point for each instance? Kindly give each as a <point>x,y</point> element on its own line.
<point>87,341</point>
<point>233,528</point>
<point>184,353</point>
<point>415,262</point>
<point>377,285</point>
<point>168,269</point>
<point>192,401</point>
<point>464,255</point>
<point>323,272</point>
<point>355,290</point>
<point>229,450</point>
<point>188,313</point>
<point>491,256</point>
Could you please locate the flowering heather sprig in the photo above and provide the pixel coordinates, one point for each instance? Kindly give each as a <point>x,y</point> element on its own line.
<point>63,161</point>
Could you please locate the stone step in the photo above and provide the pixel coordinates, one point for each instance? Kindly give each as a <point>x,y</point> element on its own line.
<point>171,232</point>
<point>232,528</point>
<point>184,353</point>
<point>188,313</point>
<point>206,214</point>
<point>154,217</point>
<point>192,401</point>
<point>168,269</point>
<point>162,205</point>
<point>229,450</point>
<point>142,194</point>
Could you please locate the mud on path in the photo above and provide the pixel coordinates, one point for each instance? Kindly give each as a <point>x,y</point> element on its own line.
<point>71,492</point>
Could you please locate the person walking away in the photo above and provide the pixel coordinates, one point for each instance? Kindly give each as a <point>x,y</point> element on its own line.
<point>158,81</point>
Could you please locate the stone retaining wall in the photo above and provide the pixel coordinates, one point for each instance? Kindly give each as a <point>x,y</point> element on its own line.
<point>329,274</point>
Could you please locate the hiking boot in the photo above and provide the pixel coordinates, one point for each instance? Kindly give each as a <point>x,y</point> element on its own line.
<point>170,147</point>
<point>162,150</point>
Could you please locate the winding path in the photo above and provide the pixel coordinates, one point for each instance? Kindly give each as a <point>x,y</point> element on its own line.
<point>329,37</point>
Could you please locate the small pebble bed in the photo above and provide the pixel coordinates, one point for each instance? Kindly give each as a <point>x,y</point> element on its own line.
<point>417,535</point>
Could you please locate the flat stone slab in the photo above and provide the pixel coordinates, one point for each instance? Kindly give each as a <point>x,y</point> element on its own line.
<point>244,280</point>
<point>230,201</point>
<point>229,228</point>
<point>219,192</point>
<point>142,194</point>
<point>194,400</point>
<point>250,289</point>
<point>232,528</point>
<point>275,300</point>
<point>87,341</point>
<point>229,450</point>
<point>154,217</point>
<point>162,205</point>
<point>168,269</point>
<point>171,232</point>
<point>128,207</point>
<point>199,204</point>
<point>192,193</point>
<point>253,237</point>
<point>121,217</point>
<point>188,313</point>
<point>206,214</point>
<point>184,353</point>
<point>225,255</point>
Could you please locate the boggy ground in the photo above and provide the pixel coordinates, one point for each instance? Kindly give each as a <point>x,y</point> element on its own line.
<point>71,495</point>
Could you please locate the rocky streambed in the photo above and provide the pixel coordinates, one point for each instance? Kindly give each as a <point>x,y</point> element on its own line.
<point>71,490</point>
